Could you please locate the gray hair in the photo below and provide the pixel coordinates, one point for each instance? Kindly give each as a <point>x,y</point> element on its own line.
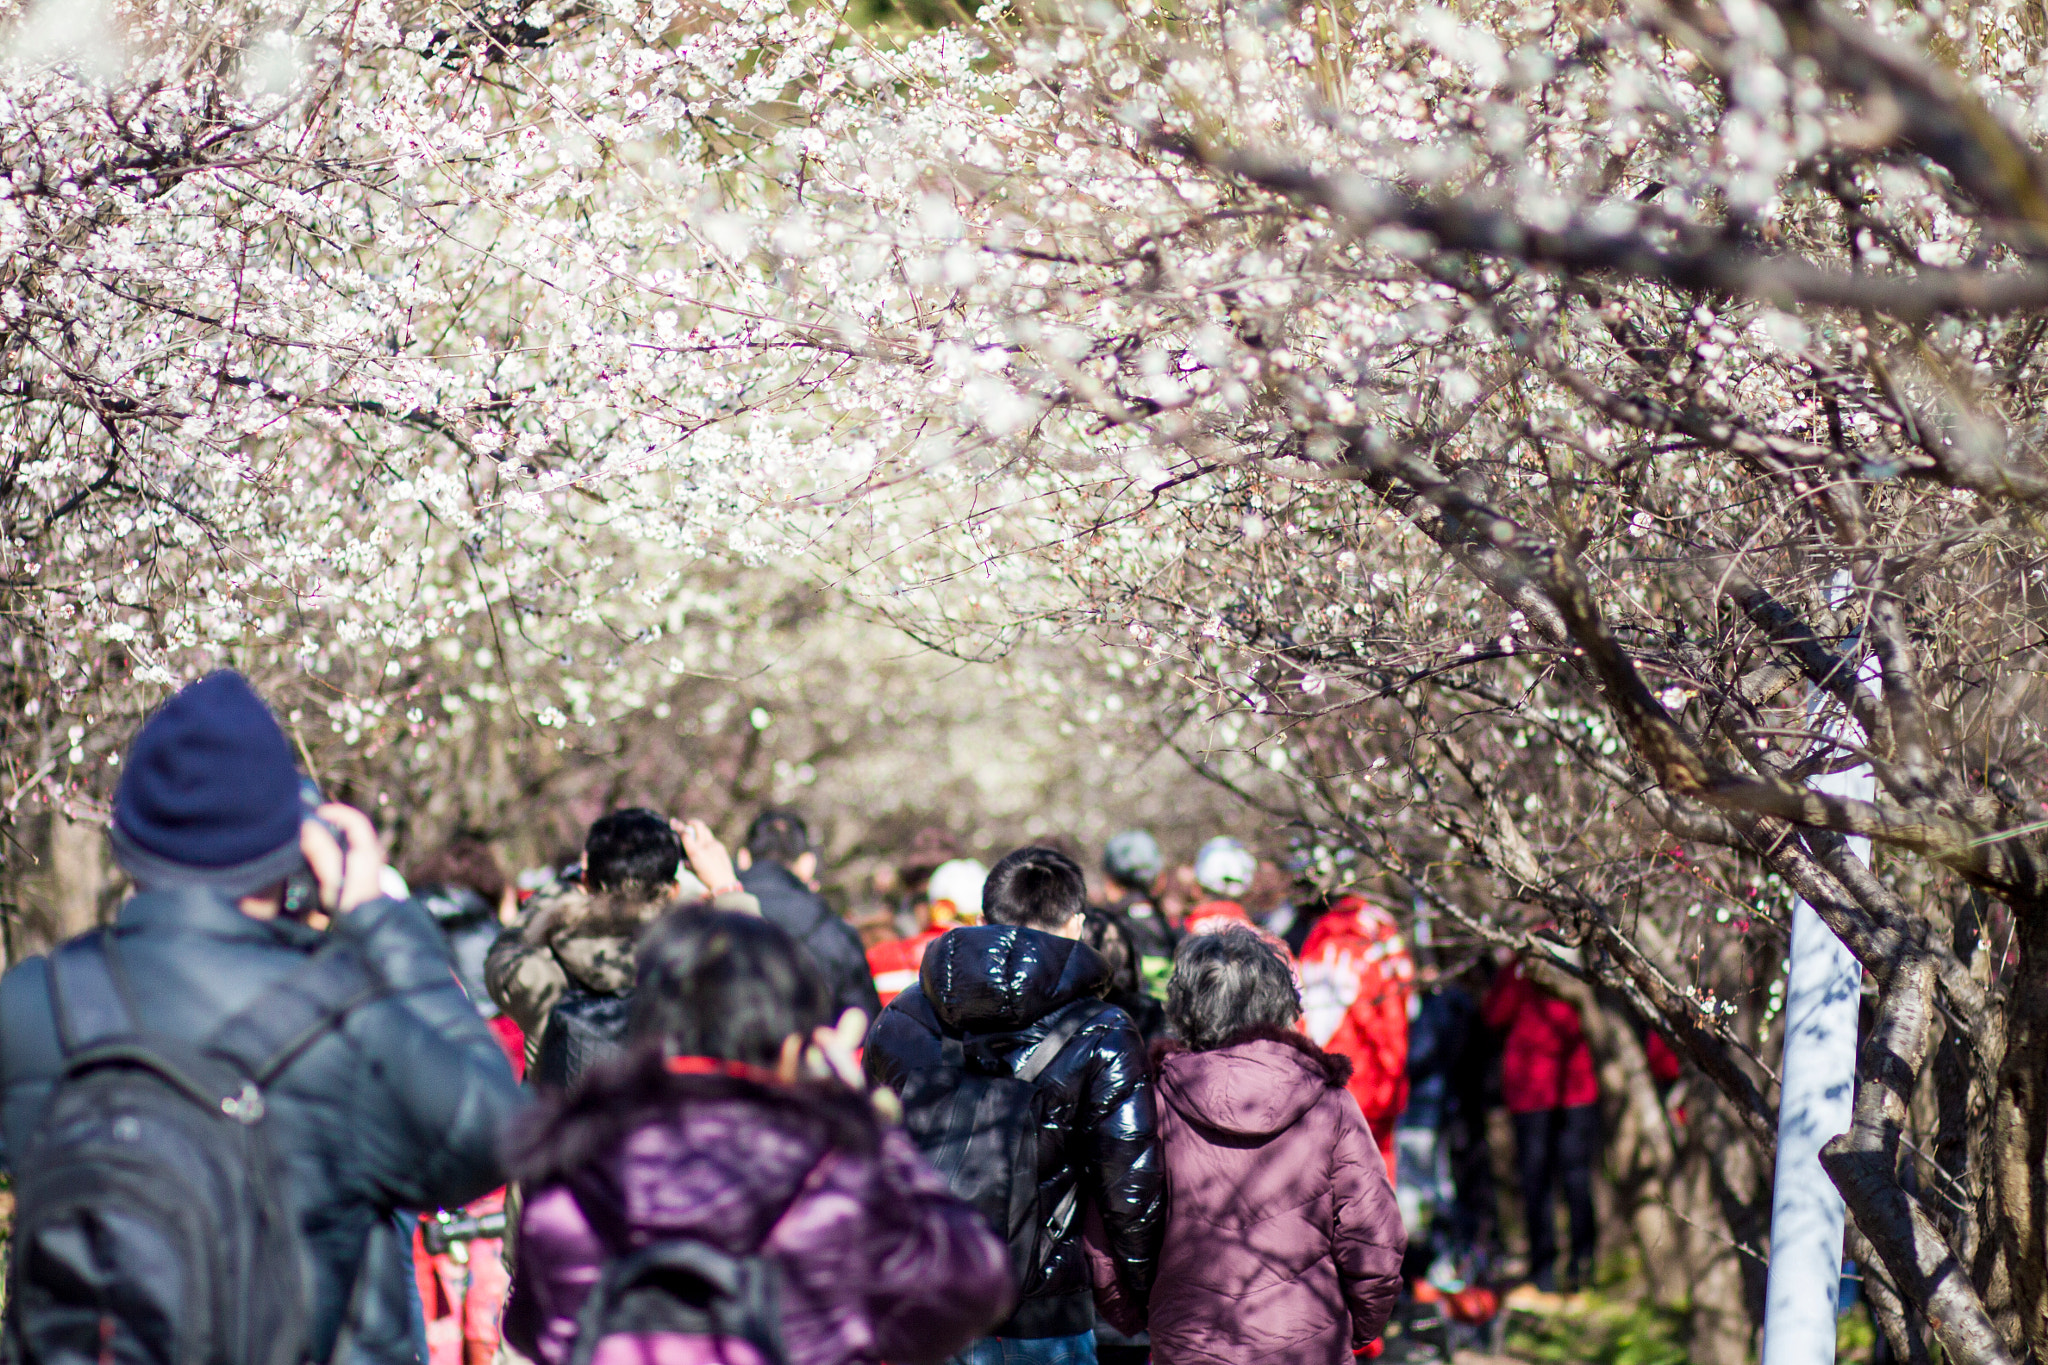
<point>1225,984</point>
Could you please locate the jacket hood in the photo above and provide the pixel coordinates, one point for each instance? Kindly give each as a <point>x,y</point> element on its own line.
<point>717,1168</point>
<point>998,978</point>
<point>1254,1087</point>
<point>592,935</point>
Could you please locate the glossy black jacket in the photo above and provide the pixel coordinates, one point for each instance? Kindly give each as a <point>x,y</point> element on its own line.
<point>398,1108</point>
<point>996,984</point>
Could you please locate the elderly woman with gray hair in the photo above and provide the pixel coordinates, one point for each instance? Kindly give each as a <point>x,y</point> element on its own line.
<point>1283,1242</point>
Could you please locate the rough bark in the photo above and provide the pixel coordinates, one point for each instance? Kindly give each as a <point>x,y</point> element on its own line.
<point>1685,1203</point>
<point>1864,1165</point>
<point>1722,1192</point>
<point>1641,1152</point>
<point>1894,1319</point>
<point>2019,1135</point>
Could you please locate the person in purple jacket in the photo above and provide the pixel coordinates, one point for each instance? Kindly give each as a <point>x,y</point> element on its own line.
<point>705,1132</point>
<point>1283,1242</point>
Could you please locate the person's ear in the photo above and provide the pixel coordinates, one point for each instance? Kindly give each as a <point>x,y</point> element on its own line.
<point>743,860</point>
<point>805,867</point>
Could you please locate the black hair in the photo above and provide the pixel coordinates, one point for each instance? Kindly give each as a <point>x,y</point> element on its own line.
<point>1034,888</point>
<point>780,835</point>
<point>635,851</point>
<point>712,984</point>
<point>1225,984</point>
<point>1109,936</point>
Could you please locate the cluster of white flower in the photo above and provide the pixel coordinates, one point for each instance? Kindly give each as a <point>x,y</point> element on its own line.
<point>393,339</point>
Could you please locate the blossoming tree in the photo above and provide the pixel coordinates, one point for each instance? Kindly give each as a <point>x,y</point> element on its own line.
<point>1556,433</point>
<point>1646,397</point>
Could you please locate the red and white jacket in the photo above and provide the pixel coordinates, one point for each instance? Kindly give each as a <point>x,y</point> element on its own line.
<point>1356,978</point>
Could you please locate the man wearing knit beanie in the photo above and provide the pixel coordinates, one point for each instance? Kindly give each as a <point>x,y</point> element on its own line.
<point>209,795</point>
<point>396,1104</point>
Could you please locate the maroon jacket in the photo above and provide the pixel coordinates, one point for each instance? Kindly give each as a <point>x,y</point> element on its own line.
<point>1283,1243</point>
<point>879,1259</point>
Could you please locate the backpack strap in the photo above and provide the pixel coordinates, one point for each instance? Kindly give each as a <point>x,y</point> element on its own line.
<point>287,1016</point>
<point>1066,1023</point>
<point>90,1005</point>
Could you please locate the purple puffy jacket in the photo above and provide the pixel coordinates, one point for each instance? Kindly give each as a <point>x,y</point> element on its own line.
<point>1283,1241</point>
<point>879,1260</point>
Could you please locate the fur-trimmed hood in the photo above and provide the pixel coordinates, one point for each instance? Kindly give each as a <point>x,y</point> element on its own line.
<point>592,934</point>
<point>1258,1084</point>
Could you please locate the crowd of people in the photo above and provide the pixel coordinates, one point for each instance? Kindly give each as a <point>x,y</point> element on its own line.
<point>670,1107</point>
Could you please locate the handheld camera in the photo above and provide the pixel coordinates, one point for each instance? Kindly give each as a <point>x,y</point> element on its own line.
<point>301,889</point>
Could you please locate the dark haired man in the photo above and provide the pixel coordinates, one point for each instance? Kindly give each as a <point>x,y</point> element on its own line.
<point>578,935</point>
<point>1022,994</point>
<point>395,1101</point>
<point>777,866</point>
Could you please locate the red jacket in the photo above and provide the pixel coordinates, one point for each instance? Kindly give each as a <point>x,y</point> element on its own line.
<point>1546,1063</point>
<point>894,964</point>
<point>1356,977</point>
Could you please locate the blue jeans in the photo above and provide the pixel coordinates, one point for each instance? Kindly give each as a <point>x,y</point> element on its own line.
<point>1074,1350</point>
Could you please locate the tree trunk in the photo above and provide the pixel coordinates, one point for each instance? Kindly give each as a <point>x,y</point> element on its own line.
<point>1864,1164</point>
<point>1717,1188</point>
<point>58,879</point>
<point>1641,1154</point>
<point>2019,1144</point>
<point>1893,1316</point>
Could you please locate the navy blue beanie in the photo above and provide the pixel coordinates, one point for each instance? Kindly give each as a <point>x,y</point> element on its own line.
<point>209,794</point>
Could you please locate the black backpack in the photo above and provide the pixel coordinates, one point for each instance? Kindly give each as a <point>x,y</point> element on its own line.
<point>685,1289</point>
<point>975,1119</point>
<point>150,1220</point>
<point>583,1029</point>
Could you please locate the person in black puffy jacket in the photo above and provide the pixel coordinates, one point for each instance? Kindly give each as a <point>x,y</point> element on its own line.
<point>994,985</point>
<point>777,865</point>
<point>397,1106</point>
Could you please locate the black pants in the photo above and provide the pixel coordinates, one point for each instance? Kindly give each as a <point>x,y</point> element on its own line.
<point>1557,1148</point>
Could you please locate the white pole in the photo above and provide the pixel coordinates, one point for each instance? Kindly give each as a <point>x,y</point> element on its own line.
<point>1818,1085</point>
